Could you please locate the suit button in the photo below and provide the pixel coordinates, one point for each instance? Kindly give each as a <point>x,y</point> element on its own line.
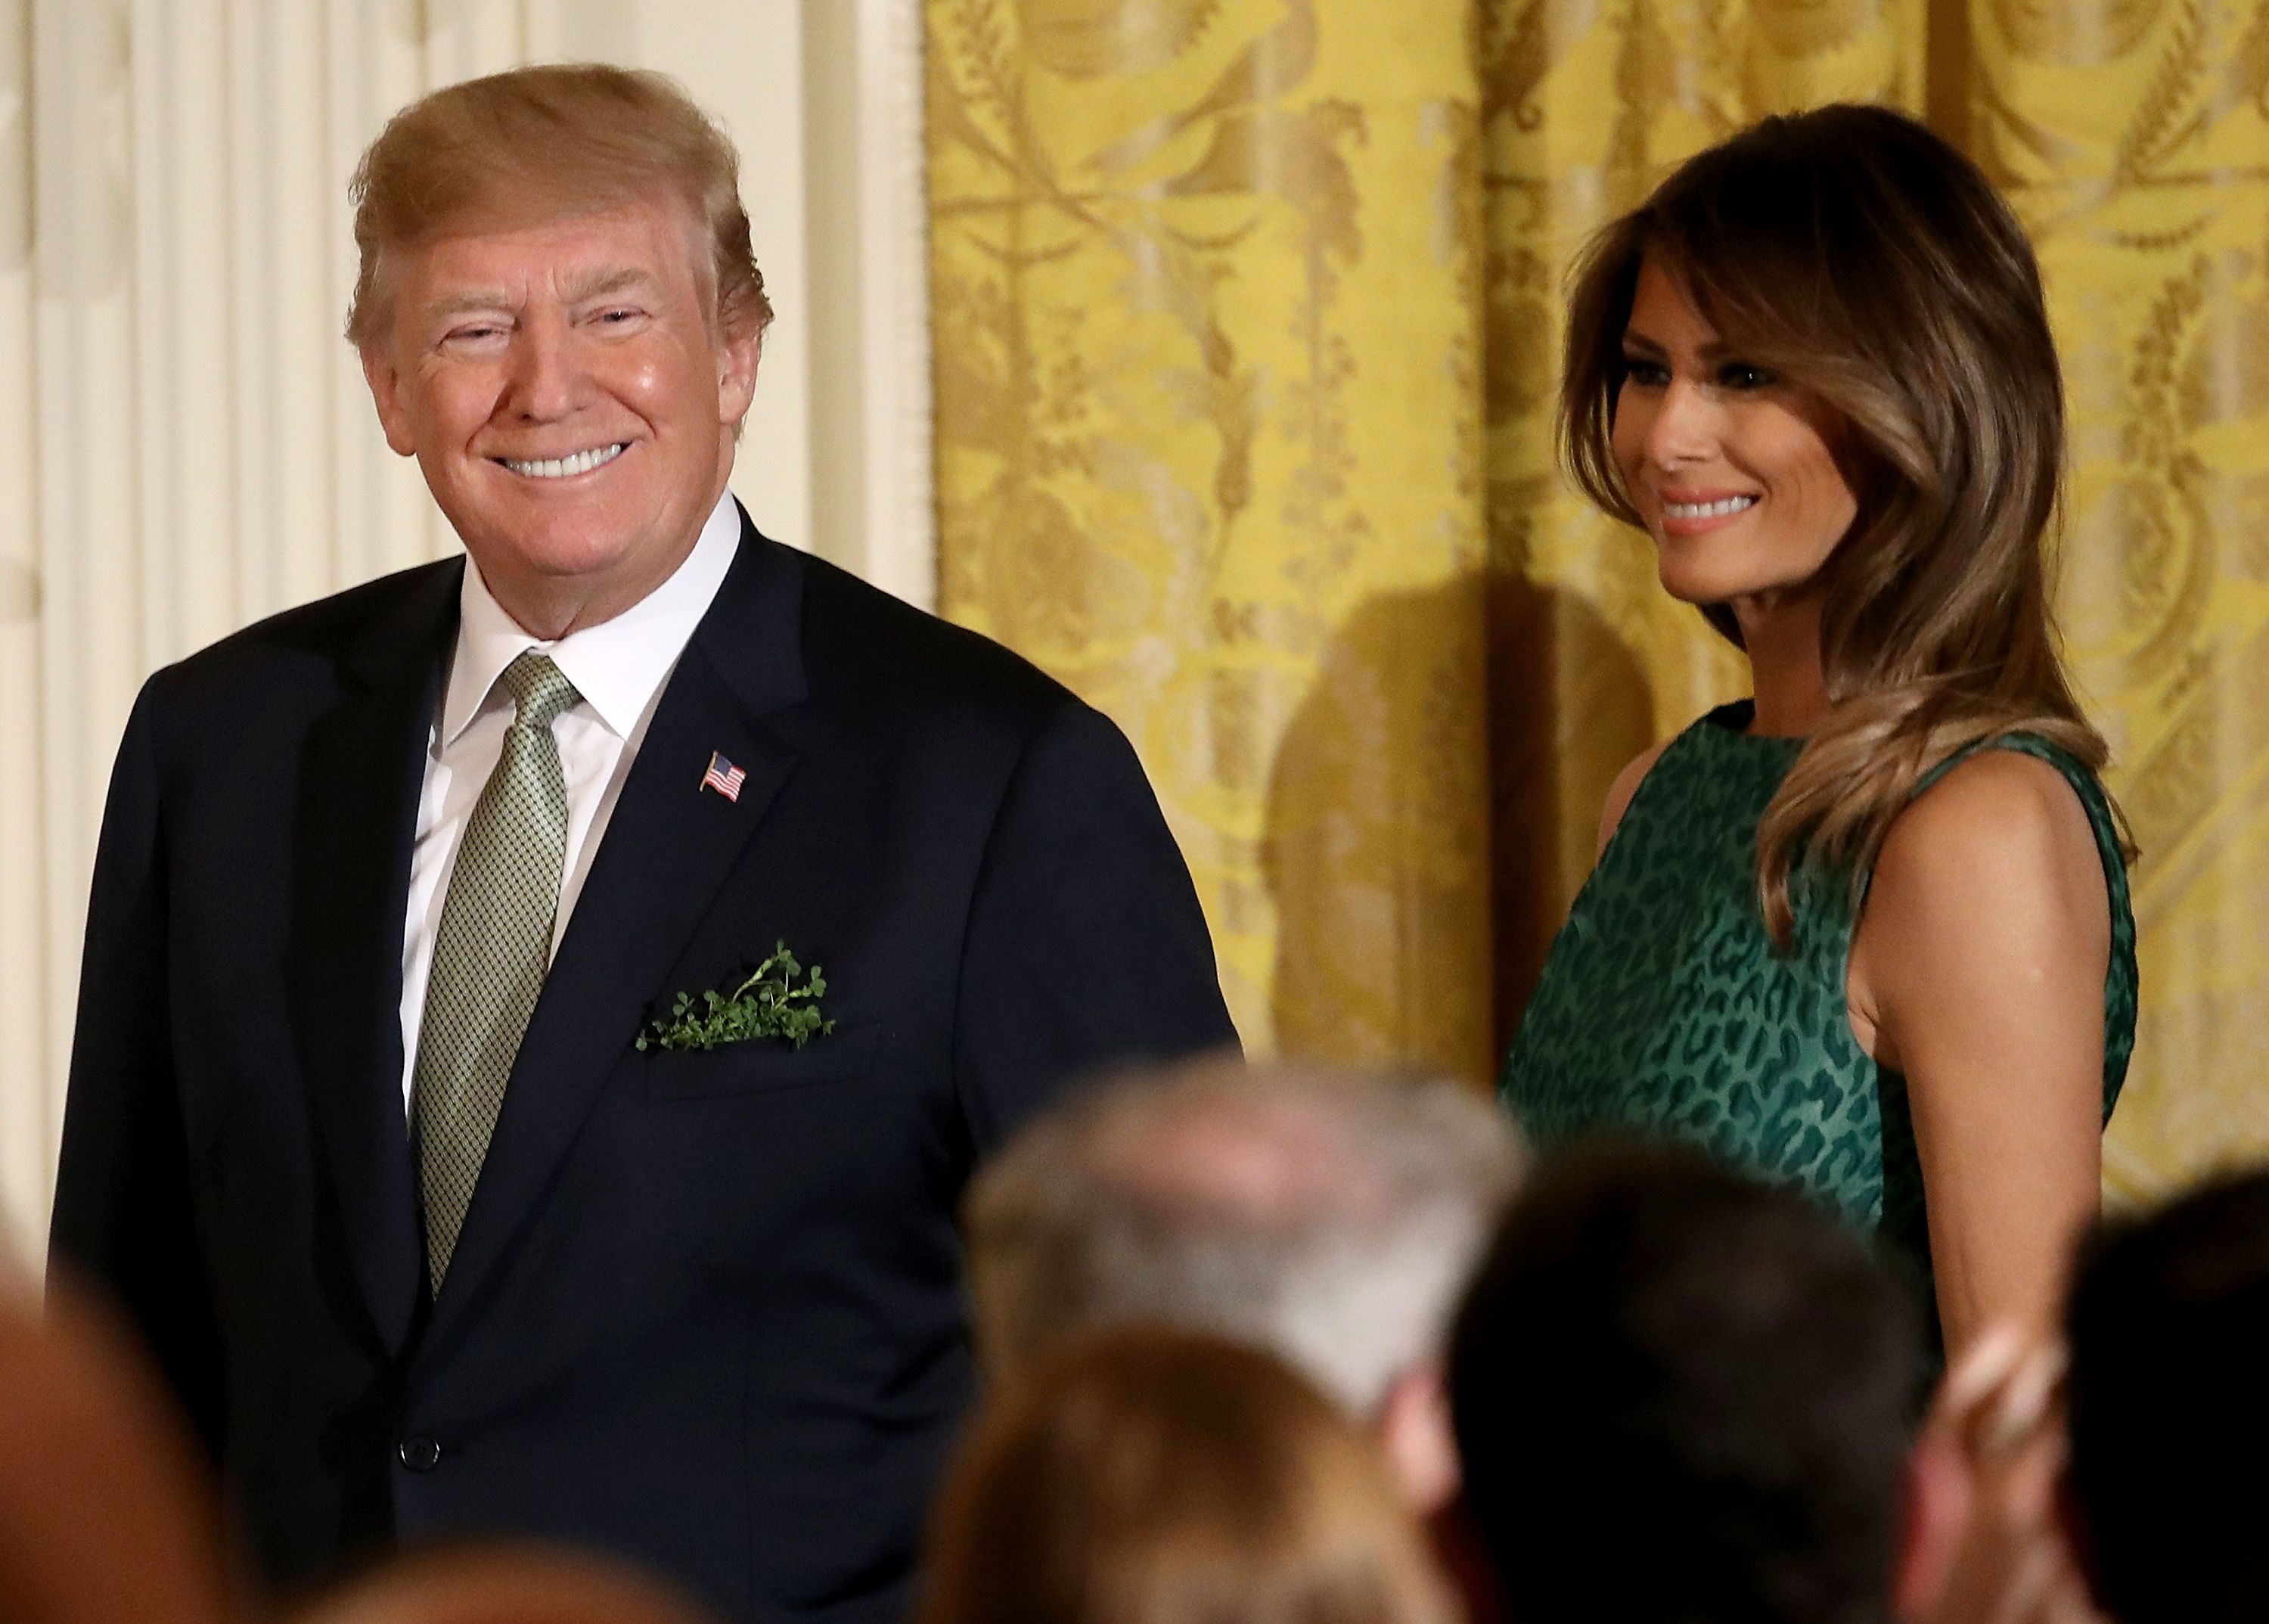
<point>420,1454</point>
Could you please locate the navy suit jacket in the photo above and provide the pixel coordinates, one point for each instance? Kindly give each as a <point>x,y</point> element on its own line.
<point>706,1310</point>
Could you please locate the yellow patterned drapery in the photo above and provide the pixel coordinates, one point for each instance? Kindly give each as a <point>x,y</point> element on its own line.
<point>1206,398</point>
<point>1246,313</point>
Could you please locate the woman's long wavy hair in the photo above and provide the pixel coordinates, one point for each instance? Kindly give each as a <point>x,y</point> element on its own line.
<point>1864,260</point>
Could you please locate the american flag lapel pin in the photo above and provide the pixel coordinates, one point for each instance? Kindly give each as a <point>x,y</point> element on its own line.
<point>723,777</point>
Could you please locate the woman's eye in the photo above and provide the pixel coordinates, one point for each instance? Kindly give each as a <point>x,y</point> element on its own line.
<point>1742,375</point>
<point>1648,373</point>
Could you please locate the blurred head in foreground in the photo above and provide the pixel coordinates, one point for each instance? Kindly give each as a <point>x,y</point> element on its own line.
<point>1683,1396</point>
<point>2169,1406</point>
<point>106,1514</point>
<point>504,1585</point>
<point>1144,1475</point>
<point>1331,1219</point>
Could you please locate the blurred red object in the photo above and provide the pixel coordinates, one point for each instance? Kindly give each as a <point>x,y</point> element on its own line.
<point>107,1512</point>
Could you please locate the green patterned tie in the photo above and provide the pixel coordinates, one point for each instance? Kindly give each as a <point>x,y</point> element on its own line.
<point>490,954</point>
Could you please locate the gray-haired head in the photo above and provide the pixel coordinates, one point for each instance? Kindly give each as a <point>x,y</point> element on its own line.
<point>1331,1218</point>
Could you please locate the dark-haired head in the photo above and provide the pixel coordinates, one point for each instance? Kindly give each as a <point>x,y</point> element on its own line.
<point>2169,1412</point>
<point>1872,269</point>
<point>1683,1396</point>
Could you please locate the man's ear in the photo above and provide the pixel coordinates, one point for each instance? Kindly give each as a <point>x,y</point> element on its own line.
<point>737,355</point>
<point>1935,1512</point>
<point>1414,1432</point>
<point>379,372</point>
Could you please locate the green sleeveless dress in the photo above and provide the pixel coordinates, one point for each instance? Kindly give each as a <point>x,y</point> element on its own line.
<point>1664,1011</point>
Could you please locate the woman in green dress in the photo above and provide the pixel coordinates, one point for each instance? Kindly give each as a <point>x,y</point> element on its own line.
<point>1868,931</point>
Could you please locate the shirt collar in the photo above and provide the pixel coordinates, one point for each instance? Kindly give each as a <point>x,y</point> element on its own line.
<point>617,665</point>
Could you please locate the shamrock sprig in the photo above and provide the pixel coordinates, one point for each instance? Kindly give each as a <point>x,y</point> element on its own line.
<point>769,1004</point>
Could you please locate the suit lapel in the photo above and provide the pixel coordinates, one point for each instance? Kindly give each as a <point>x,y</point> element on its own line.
<point>358,786</point>
<point>668,848</point>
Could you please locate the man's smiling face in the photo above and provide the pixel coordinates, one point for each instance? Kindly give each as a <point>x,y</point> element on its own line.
<point>567,392</point>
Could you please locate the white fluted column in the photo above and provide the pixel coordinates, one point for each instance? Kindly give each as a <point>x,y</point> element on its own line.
<point>26,966</point>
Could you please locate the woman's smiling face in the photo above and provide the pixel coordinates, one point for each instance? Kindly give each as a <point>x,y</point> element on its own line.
<point>1731,469</point>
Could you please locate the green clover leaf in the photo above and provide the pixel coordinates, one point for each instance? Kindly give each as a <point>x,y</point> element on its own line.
<point>780,999</point>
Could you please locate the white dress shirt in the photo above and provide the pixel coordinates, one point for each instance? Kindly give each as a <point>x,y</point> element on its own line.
<point>620,667</point>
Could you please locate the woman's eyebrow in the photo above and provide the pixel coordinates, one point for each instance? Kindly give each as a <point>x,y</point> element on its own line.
<point>1709,352</point>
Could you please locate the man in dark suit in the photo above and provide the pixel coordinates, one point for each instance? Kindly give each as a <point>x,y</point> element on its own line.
<point>361,1130</point>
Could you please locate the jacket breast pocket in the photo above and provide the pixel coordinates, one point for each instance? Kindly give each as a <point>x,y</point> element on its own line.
<point>759,1065</point>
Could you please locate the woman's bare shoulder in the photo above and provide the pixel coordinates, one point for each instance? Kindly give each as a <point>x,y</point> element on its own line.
<point>1998,817</point>
<point>1994,867</point>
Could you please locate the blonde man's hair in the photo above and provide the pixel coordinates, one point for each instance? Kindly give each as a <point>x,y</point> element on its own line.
<point>1147,1475</point>
<point>543,143</point>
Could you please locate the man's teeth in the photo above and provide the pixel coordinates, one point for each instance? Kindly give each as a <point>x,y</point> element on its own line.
<point>560,468</point>
<point>1708,510</point>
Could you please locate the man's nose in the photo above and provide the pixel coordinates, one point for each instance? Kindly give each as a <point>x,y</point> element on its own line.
<point>545,379</point>
<point>1685,426</point>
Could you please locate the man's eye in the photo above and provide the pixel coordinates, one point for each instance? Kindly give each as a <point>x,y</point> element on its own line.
<point>477,333</point>
<point>1742,375</point>
<point>1648,373</point>
<point>619,316</point>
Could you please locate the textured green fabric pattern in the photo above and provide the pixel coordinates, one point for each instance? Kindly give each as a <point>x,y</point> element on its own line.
<point>490,953</point>
<point>1664,1012</point>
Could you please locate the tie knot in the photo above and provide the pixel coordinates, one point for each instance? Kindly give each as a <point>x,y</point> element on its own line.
<point>539,689</point>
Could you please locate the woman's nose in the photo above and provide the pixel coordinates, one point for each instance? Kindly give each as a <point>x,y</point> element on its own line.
<point>1684,428</point>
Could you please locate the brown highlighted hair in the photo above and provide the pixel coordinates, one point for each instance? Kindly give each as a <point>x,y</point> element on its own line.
<point>1866,261</point>
<point>1150,1476</point>
<point>543,143</point>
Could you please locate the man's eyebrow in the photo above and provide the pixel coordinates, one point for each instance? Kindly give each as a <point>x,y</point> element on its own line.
<point>472,299</point>
<point>593,285</point>
<point>608,279</point>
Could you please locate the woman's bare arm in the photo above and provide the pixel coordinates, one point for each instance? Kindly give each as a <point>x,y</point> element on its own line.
<point>1977,970</point>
